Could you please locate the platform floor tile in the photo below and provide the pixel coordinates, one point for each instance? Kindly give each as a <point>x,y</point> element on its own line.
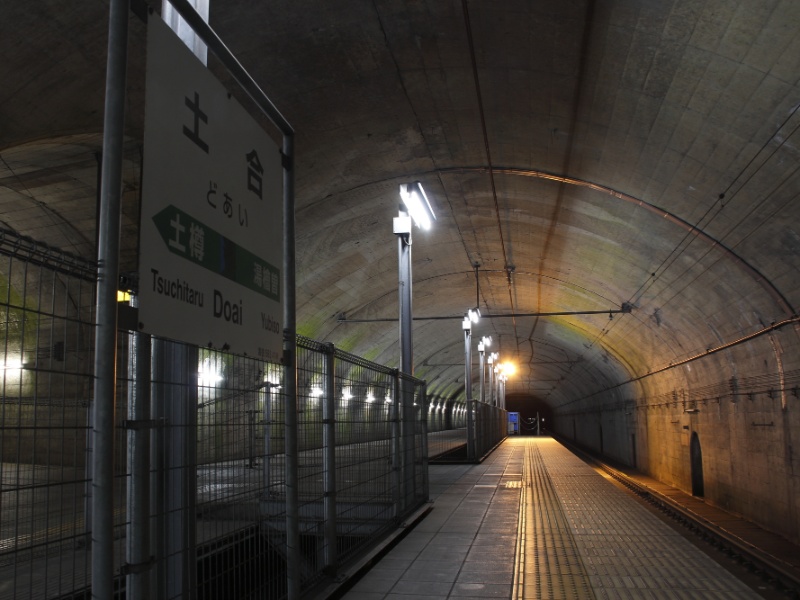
<point>536,522</point>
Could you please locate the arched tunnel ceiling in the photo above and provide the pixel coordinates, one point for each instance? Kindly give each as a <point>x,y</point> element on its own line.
<point>579,155</point>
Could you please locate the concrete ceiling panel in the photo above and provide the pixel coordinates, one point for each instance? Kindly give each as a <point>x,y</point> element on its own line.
<point>575,151</point>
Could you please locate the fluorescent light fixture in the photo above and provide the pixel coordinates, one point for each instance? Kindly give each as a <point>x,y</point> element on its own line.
<point>466,324</point>
<point>474,315</point>
<point>416,202</point>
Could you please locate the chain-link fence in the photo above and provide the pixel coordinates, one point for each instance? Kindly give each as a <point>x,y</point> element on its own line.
<point>46,304</point>
<point>491,428</point>
<point>200,507</point>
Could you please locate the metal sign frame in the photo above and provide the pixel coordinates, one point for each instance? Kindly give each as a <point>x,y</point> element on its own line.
<point>109,223</point>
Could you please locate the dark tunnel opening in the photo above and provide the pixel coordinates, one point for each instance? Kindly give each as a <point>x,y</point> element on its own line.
<point>529,408</point>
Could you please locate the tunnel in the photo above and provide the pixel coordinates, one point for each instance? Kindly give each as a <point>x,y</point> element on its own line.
<point>615,188</point>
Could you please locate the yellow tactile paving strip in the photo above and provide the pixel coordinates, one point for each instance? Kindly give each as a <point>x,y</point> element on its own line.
<point>550,566</point>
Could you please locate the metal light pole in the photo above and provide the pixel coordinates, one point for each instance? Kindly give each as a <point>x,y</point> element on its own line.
<point>416,207</point>
<point>402,229</point>
<point>405,398</point>
<point>485,342</point>
<point>466,325</point>
<point>482,362</point>
<point>491,360</point>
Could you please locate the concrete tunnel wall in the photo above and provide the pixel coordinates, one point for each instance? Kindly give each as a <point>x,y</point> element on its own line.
<point>742,406</point>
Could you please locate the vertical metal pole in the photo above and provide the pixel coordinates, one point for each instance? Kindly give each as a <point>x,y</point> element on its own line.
<point>406,398</point>
<point>482,356</point>
<point>471,448</point>
<point>137,585</point>
<point>492,400</point>
<point>404,291</point>
<point>396,447</point>
<point>293,556</point>
<point>329,460</point>
<point>267,438</point>
<point>176,372</point>
<point>407,431</point>
<point>105,354</point>
<point>158,474</point>
<point>251,439</point>
<point>425,411</point>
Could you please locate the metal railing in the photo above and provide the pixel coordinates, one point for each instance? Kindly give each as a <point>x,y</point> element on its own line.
<point>200,508</point>
<point>199,464</point>
<point>491,428</point>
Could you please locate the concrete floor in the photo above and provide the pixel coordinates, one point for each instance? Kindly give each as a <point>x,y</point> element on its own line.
<point>535,521</point>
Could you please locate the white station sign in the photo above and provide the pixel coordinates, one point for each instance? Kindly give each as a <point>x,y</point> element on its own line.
<point>211,230</point>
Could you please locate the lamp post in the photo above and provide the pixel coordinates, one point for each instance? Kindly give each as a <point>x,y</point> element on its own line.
<point>415,206</point>
<point>482,345</point>
<point>471,317</point>
<point>491,360</point>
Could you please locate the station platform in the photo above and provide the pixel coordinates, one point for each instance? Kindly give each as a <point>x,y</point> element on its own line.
<point>536,521</point>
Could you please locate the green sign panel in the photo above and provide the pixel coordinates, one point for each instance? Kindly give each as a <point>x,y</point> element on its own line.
<point>194,241</point>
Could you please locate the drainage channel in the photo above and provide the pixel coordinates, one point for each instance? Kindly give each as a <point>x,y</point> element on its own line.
<point>548,560</point>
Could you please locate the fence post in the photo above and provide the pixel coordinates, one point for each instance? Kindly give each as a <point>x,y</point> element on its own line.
<point>394,420</point>
<point>425,412</point>
<point>158,463</point>
<point>407,428</point>
<point>137,586</point>
<point>175,374</point>
<point>472,454</point>
<point>329,459</point>
<point>251,438</point>
<point>267,387</point>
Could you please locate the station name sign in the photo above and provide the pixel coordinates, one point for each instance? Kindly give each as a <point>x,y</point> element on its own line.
<point>211,245</point>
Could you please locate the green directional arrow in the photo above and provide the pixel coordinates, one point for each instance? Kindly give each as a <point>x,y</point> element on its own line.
<point>196,242</point>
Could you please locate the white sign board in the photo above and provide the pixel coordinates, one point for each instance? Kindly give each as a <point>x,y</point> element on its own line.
<point>211,230</point>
